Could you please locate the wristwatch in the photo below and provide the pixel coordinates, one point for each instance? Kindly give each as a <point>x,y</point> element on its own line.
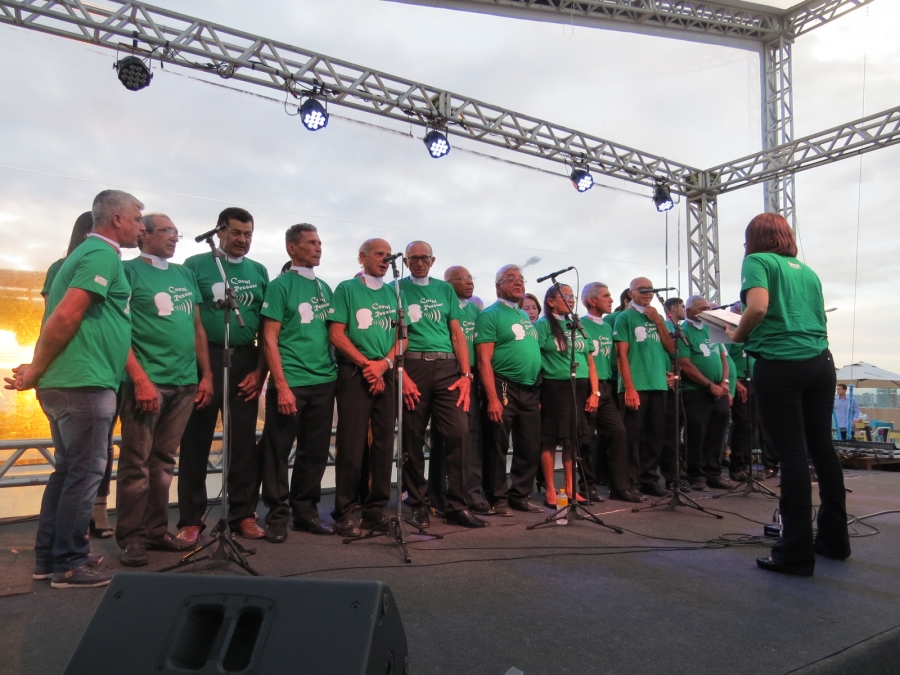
<point>469,375</point>
<point>597,394</point>
<point>389,362</point>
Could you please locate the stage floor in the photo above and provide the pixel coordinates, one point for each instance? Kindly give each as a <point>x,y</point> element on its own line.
<point>666,596</point>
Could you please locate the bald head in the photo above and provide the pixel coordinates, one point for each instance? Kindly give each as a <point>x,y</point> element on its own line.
<point>463,282</point>
<point>642,299</point>
<point>419,258</point>
<point>372,255</point>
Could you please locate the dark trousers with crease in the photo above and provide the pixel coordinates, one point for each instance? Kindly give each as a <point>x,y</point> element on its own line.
<point>740,433</point>
<point>795,400</point>
<point>521,418</point>
<point>196,442</point>
<point>706,420</point>
<point>357,410</point>
<point>473,473</point>
<point>310,427</point>
<point>611,430</point>
<point>645,429</point>
<point>671,439</point>
<point>437,403</point>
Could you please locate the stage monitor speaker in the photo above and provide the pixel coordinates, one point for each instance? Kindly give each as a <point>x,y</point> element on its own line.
<point>168,624</point>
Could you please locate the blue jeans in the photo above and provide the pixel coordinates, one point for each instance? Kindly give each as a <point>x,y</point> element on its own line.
<point>80,420</point>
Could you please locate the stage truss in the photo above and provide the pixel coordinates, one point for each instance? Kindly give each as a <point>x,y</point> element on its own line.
<point>174,38</point>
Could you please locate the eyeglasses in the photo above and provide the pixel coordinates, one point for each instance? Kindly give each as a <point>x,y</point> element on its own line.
<point>413,259</point>
<point>567,296</point>
<point>170,231</point>
<point>513,280</point>
<point>465,278</point>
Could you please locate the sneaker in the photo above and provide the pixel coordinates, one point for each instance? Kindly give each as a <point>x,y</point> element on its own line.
<point>89,575</point>
<point>41,574</point>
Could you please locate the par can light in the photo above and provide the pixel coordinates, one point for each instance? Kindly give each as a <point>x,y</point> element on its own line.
<point>662,198</point>
<point>582,180</point>
<point>133,73</point>
<point>437,143</point>
<point>313,115</point>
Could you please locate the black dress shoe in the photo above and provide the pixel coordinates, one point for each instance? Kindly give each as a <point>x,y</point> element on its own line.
<point>167,542</point>
<point>465,518</point>
<point>655,491</point>
<point>526,506</point>
<point>501,508</point>
<point>828,553</point>
<point>420,516</point>
<point>794,570</point>
<point>482,509</point>
<point>378,523</point>
<point>440,513</point>
<point>348,528</point>
<point>593,497</point>
<point>314,526</point>
<point>276,533</point>
<point>134,555</point>
<point>627,496</point>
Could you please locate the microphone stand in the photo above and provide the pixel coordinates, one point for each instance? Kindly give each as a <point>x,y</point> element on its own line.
<point>678,497</point>
<point>751,485</point>
<point>227,550</point>
<point>574,511</point>
<point>396,529</point>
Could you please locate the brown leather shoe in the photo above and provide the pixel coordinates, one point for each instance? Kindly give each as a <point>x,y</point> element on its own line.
<point>248,528</point>
<point>189,535</point>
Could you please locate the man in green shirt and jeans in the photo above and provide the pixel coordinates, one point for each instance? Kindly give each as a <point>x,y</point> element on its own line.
<point>163,388</point>
<point>77,367</point>
<point>509,362</point>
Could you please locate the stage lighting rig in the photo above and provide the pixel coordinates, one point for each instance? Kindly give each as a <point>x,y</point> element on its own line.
<point>662,197</point>
<point>437,143</point>
<point>582,179</point>
<point>313,115</point>
<point>133,73</point>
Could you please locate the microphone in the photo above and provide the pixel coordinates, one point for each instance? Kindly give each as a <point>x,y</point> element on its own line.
<point>644,289</point>
<point>207,235</point>
<point>553,274</point>
<point>392,257</point>
<point>725,306</point>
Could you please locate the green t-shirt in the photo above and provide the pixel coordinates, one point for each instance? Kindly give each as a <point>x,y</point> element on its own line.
<point>302,306</point>
<point>429,310</point>
<point>705,355</point>
<point>610,320</point>
<point>555,356</point>
<point>517,353</point>
<point>740,358</point>
<point>732,378</point>
<point>467,317</point>
<point>248,279</point>
<point>368,315</point>
<point>162,317</point>
<point>52,271</point>
<point>602,350</point>
<point>794,326</point>
<point>96,354</point>
<point>647,358</point>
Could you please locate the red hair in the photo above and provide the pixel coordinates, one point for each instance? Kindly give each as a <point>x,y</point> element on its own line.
<point>770,233</point>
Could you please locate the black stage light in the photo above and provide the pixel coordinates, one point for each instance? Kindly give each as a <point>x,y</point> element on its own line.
<point>662,198</point>
<point>437,143</point>
<point>133,73</point>
<point>582,180</point>
<point>313,115</point>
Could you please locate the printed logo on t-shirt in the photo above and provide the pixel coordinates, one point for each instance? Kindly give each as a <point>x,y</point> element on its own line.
<point>164,304</point>
<point>306,312</point>
<point>365,317</point>
<point>520,330</point>
<point>579,345</point>
<point>100,280</point>
<point>796,266</point>
<point>241,288</point>
<point>426,307</point>
<point>705,350</point>
<point>415,313</point>
<point>602,346</point>
<point>645,332</point>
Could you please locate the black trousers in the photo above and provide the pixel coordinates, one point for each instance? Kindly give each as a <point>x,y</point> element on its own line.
<point>196,441</point>
<point>741,457</point>
<point>522,419</point>
<point>795,400</point>
<point>706,421</point>
<point>644,429</point>
<point>671,439</point>
<point>357,411</point>
<point>437,403</point>
<point>311,428</point>
<point>611,433</point>
<point>473,473</point>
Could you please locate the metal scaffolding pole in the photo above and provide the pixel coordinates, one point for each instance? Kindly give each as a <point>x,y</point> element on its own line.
<point>703,244</point>
<point>778,123</point>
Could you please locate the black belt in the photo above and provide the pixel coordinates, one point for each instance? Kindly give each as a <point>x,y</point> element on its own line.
<point>430,356</point>
<point>516,385</point>
<point>237,348</point>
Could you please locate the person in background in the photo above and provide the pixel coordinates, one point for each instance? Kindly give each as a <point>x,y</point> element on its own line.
<point>99,524</point>
<point>531,306</point>
<point>784,328</point>
<point>846,411</point>
<point>565,420</point>
<point>675,309</point>
<point>78,364</point>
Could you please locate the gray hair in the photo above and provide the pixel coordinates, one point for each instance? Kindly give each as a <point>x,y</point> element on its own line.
<point>295,232</point>
<point>503,270</point>
<point>109,203</point>
<point>591,290</point>
<point>693,300</point>
<point>149,220</point>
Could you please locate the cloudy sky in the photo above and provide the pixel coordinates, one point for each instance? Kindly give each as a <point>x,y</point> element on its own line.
<point>189,148</point>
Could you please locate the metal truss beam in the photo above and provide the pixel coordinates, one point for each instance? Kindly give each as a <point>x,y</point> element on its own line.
<point>808,16</point>
<point>193,43</point>
<point>679,18</point>
<point>869,133</point>
<point>778,122</point>
<point>703,246</point>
